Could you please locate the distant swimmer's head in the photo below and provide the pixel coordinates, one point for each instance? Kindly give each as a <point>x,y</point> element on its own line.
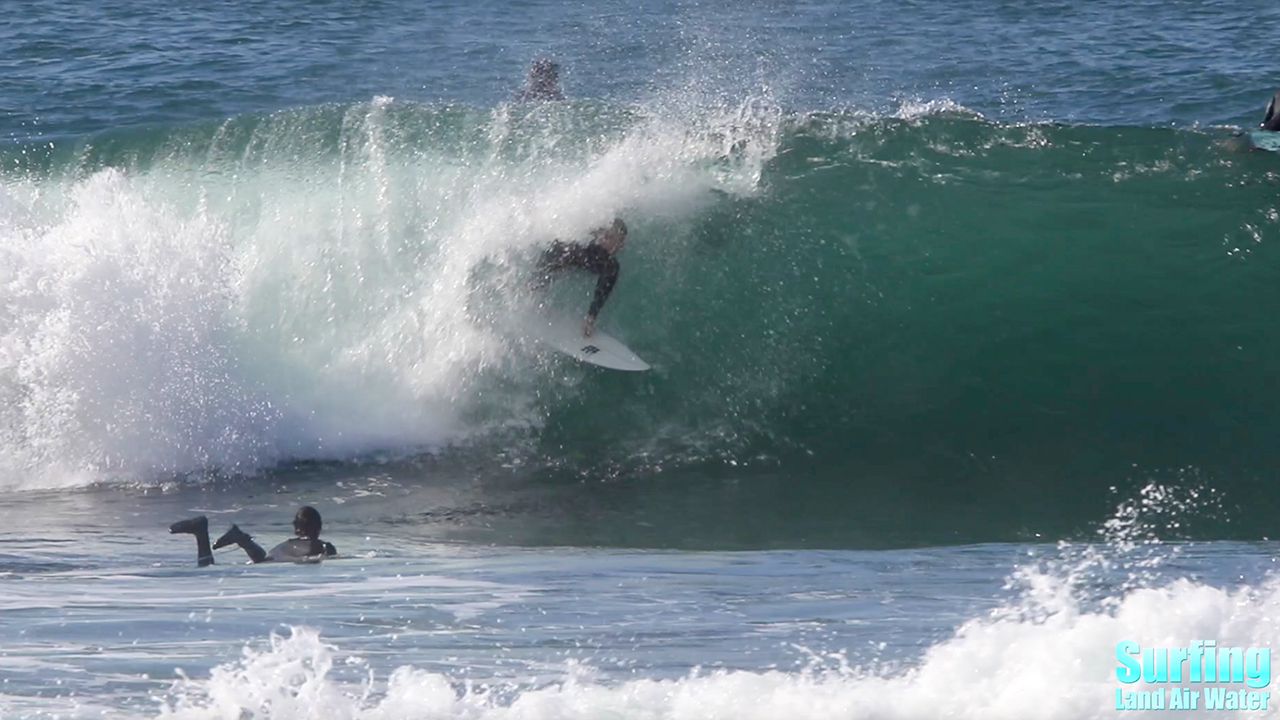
<point>544,72</point>
<point>306,524</point>
<point>1271,119</point>
<point>613,237</point>
<point>544,82</point>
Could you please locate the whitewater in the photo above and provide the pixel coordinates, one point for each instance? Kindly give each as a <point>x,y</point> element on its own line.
<point>960,318</point>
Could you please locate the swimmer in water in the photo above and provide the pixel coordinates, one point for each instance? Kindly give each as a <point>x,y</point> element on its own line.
<point>543,83</point>
<point>307,544</point>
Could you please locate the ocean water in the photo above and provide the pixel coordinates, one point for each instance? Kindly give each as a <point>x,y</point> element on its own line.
<point>961,319</point>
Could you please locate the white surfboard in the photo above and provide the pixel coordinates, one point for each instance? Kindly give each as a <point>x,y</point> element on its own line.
<point>1265,140</point>
<point>565,334</point>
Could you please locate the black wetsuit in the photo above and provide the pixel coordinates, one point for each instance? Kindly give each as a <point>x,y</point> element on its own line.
<point>591,257</point>
<point>290,550</point>
<point>298,548</point>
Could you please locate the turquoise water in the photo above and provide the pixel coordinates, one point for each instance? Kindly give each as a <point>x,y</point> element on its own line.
<point>405,626</point>
<point>960,320</point>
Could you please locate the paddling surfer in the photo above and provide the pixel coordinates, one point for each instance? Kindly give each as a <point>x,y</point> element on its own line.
<point>307,544</point>
<point>598,256</point>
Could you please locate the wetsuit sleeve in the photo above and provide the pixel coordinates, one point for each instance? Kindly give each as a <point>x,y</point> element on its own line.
<point>556,257</point>
<point>329,549</point>
<point>604,286</point>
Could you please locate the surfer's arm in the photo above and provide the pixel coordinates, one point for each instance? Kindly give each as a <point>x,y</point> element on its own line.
<point>604,286</point>
<point>608,270</point>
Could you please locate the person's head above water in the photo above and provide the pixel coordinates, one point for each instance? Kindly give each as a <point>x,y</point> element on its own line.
<point>613,237</point>
<point>543,82</point>
<point>1271,118</point>
<point>544,73</point>
<point>306,524</point>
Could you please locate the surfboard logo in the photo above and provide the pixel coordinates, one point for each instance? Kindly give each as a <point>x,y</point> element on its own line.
<point>590,349</point>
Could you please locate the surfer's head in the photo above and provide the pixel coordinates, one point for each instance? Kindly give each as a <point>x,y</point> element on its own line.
<point>544,75</point>
<point>306,524</point>
<point>1271,119</point>
<point>612,237</point>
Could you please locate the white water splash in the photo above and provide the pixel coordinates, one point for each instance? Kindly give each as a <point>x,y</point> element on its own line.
<point>225,309</point>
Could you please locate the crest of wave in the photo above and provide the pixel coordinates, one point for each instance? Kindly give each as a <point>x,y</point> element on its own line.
<point>223,312</point>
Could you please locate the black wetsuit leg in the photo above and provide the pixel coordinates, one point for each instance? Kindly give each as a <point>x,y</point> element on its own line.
<point>198,526</point>
<point>253,550</point>
<point>241,538</point>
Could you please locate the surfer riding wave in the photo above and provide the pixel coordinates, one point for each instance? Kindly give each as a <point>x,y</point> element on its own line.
<point>599,256</point>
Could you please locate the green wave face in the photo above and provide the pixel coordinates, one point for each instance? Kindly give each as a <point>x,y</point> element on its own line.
<point>944,328</point>
<point>921,328</point>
